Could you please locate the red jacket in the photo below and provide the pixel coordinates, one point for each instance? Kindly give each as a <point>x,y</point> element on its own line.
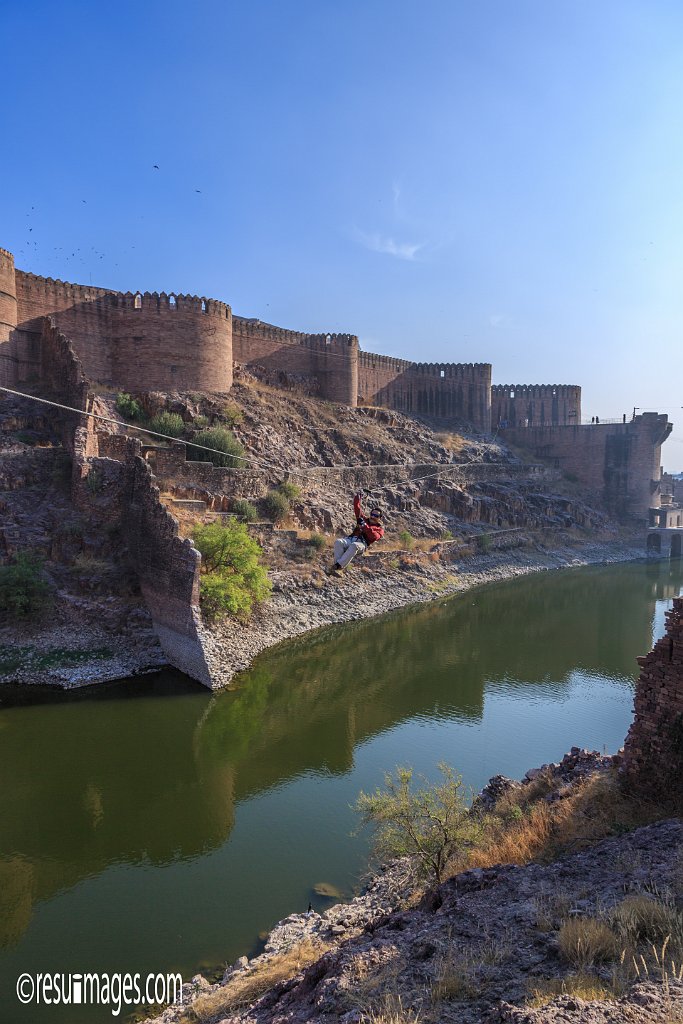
<point>368,531</point>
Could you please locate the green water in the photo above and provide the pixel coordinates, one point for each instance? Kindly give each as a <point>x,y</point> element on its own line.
<point>158,827</point>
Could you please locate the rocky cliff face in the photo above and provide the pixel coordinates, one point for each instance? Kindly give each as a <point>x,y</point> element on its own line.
<point>486,947</point>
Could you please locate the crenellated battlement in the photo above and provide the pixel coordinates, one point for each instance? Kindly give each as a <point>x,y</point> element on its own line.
<point>145,340</point>
<point>535,405</point>
<point>79,292</point>
<point>539,390</point>
<point>460,371</point>
<point>252,329</point>
<point>372,362</point>
<point>172,302</point>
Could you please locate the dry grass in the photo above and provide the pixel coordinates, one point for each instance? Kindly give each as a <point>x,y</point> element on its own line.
<point>582,985</point>
<point>552,910</point>
<point>456,978</point>
<point>375,984</point>
<point>593,810</point>
<point>642,918</point>
<point>584,941</point>
<point>391,1011</point>
<point>453,442</point>
<point>248,987</point>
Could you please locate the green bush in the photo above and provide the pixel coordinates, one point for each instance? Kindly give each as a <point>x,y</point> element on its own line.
<point>170,423</point>
<point>483,542</point>
<point>276,506</point>
<point>24,591</point>
<point>128,406</point>
<point>318,541</point>
<point>244,509</point>
<point>429,823</point>
<point>200,422</point>
<point>233,414</point>
<point>290,491</point>
<point>232,579</point>
<point>406,539</point>
<point>231,451</point>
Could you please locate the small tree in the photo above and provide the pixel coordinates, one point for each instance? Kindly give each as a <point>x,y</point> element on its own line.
<point>428,823</point>
<point>226,448</point>
<point>233,579</point>
<point>406,539</point>
<point>24,591</point>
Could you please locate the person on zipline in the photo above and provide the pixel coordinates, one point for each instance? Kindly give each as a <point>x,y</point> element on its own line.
<point>367,531</point>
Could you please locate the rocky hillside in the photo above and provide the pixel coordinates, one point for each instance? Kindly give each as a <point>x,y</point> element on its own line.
<point>586,927</point>
<point>96,626</point>
<point>459,509</point>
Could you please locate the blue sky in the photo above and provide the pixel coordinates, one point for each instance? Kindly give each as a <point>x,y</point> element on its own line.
<point>470,180</point>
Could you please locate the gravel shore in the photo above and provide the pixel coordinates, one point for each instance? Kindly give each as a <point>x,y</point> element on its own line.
<point>298,607</point>
<point>86,651</point>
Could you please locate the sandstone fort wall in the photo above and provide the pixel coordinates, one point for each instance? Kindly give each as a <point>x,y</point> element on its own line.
<point>620,461</point>
<point>137,341</point>
<point>535,405</point>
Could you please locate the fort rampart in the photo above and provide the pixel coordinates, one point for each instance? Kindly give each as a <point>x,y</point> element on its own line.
<point>328,361</point>
<point>457,391</point>
<point>535,405</point>
<point>142,341</point>
<point>619,461</point>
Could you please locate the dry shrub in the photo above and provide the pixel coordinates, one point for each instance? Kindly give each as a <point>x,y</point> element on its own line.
<point>249,986</point>
<point>640,917</point>
<point>581,985</point>
<point>588,940</point>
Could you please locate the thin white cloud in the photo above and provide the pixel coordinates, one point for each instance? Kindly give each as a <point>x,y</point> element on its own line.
<point>383,243</point>
<point>501,321</point>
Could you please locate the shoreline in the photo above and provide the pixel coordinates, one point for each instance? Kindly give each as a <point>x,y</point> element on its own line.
<point>296,608</point>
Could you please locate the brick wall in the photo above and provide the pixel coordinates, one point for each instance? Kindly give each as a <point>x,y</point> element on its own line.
<point>140,342</point>
<point>460,391</point>
<point>330,360</point>
<point>535,405</point>
<point>619,461</point>
<point>8,318</point>
<point>653,753</point>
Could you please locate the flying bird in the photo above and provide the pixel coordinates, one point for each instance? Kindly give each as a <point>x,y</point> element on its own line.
<point>156,167</point>
<point>197,190</point>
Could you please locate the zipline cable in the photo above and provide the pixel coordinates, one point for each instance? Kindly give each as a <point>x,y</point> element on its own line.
<point>447,466</point>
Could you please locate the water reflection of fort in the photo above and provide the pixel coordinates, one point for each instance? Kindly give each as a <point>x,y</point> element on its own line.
<point>88,784</point>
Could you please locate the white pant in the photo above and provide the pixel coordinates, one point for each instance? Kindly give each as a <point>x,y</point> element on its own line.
<point>347,548</point>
